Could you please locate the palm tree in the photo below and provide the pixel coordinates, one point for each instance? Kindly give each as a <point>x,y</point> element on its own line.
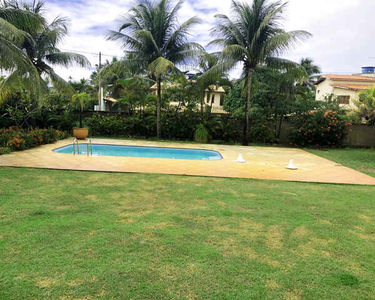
<point>12,59</point>
<point>312,70</point>
<point>154,42</point>
<point>253,36</point>
<point>41,44</point>
<point>80,101</point>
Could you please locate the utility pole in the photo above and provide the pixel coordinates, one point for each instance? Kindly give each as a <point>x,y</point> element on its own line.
<point>100,94</point>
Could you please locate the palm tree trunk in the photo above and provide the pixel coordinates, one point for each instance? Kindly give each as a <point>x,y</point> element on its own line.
<point>210,102</point>
<point>276,113</point>
<point>158,110</point>
<point>80,119</point>
<point>245,140</point>
<point>282,115</point>
<point>202,101</point>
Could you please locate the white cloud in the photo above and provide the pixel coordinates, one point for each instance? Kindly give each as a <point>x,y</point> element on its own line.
<point>342,39</point>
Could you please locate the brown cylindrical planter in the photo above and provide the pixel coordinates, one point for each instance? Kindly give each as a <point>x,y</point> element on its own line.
<point>80,133</point>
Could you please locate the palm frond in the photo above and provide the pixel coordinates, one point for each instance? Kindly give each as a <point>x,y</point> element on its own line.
<point>131,66</point>
<point>11,32</point>
<point>126,40</point>
<point>223,66</point>
<point>280,43</point>
<point>67,59</point>
<point>22,19</point>
<point>281,63</point>
<point>227,29</point>
<point>267,22</point>
<point>179,36</point>
<point>147,38</point>
<point>161,67</point>
<point>59,83</point>
<point>22,71</point>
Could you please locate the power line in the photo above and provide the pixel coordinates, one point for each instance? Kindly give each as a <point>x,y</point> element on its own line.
<point>93,53</point>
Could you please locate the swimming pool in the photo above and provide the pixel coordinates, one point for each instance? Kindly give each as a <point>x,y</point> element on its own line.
<point>149,152</point>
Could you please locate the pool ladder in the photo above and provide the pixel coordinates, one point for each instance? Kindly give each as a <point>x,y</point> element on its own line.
<point>89,147</point>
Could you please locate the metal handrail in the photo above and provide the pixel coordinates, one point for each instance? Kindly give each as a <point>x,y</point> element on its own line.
<point>74,146</point>
<point>89,140</point>
<point>89,146</point>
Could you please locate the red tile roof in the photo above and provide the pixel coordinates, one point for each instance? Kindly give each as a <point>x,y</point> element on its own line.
<point>349,78</point>
<point>354,87</point>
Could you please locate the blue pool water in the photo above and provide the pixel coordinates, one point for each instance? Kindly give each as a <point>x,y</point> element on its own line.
<point>150,152</point>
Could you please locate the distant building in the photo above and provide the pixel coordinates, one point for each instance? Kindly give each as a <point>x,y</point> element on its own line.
<point>346,87</point>
<point>214,97</point>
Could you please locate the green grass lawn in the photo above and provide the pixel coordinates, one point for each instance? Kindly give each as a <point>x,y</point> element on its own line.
<point>362,160</point>
<point>82,235</point>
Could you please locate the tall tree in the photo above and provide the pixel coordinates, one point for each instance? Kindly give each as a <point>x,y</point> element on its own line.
<point>13,60</point>
<point>253,36</point>
<point>41,44</point>
<point>154,41</point>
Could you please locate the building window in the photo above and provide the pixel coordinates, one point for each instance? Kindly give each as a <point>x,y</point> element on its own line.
<point>208,98</point>
<point>213,99</point>
<point>221,99</point>
<point>343,99</point>
<point>318,91</point>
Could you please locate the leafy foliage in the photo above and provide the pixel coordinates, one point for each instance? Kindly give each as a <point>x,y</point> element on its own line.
<point>253,36</point>
<point>121,126</point>
<point>19,108</point>
<point>234,101</point>
<point>366,106</point>
<point>155,42</point>
<point>13,139</point>
<point>201,134</point>
<point>320,128</point>
<point>14,25</point>
<point>33,43</point>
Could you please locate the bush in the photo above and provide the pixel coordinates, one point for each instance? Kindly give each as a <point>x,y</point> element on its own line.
<point>121,126</point>
<point>319,128</point>
<point>262,132</point>
<point>201,135</point>
<point>230,130</point>
<point>20,139</point>
<point>174,126</point>
<point>180,126</point>
<point>5,150</point>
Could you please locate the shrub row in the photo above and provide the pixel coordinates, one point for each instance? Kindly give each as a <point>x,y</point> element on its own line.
<point>13,139</point>
<point>121,126</point>
<point>319,128</point>
<point>181,126</point>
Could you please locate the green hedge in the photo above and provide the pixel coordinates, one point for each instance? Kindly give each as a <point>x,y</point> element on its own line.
<point>13,139</point>
<point>121,126</point>
<point>181,126</point>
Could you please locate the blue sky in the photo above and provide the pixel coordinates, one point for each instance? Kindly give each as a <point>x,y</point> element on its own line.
<point>342,30</point>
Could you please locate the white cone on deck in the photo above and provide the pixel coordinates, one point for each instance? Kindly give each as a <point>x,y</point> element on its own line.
<point>291,165</point>
<point>240,159</point>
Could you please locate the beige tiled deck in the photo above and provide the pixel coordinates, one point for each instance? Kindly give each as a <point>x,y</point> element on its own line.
<point>262,163</point>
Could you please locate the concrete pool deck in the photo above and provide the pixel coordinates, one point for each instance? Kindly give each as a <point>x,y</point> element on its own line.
<point>261,162</point>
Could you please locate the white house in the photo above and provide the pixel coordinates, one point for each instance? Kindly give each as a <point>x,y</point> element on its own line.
<point>345,87</point>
